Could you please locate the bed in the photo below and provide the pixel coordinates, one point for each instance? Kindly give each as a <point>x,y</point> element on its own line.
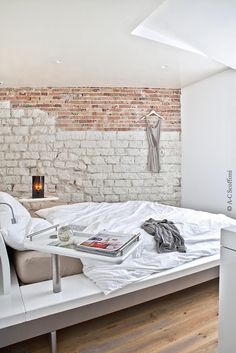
<point>103,288</point>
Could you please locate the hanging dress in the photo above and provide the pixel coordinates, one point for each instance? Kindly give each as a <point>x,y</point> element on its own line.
<point>153,137</point>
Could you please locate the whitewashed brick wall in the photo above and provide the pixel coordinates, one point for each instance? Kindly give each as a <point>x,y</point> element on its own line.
<point>84,165</point>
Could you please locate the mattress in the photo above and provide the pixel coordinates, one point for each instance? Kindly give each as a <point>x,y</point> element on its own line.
<point>35,266</point>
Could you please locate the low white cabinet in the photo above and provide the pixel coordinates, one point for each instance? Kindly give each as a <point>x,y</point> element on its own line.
<point>227,307</point>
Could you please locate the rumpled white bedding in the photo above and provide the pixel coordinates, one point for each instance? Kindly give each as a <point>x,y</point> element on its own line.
<point>200,230</point>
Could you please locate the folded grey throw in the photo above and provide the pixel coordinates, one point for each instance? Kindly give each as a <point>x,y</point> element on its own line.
<point>166,234</point>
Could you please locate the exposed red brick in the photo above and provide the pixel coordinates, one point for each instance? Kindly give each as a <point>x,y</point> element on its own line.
<point>100,108</point>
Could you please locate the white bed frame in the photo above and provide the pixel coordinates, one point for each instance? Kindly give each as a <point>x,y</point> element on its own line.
<point>32,310</point>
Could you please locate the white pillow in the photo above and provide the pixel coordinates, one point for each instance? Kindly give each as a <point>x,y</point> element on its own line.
<point>14,234</point>
<point>19,210</point>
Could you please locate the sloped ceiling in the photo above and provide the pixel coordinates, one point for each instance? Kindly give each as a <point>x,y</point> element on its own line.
<point>89,43</point>
<point>206,27</point>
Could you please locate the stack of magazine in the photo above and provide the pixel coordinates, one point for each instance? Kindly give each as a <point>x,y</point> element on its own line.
<point>105,243</point>
<point>108,243</point>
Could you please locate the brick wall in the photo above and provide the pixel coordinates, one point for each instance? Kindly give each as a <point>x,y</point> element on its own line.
<point>88,147</point>
<point>100,108</point>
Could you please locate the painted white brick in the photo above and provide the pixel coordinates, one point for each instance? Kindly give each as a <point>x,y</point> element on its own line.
<point>131,135</point>
<point>91,190</point>
<point>63,156</point>
<point>36,147</point>
<point>4,147</point>
<point>26,121</point>
<point>17,171</point>
<point>127,160</point>
<point>112,160</point>
<point>21,188</point>
<point>37,113</point>
<point>103,143</point>
<point>21,130</point>
<point>12,155</point>
<point>120,152</point>
<point>30,155</point>
<point>46,163</point>
<point>3,171</point>
<point>48,156</point>
<point>18,113</point>
<point>98,160</point>
<point>12,179</point>
<point>135,144</point>
<point>5,104</point>
<point>128,168</point>
<point>133,151</point>
<point>77,135</point>
<point>87,183</point>
<point>98,183</point>
<point>111,198</point>
<point>121,190</point>
<point>120,143</point>
<point>122,183</point>
<point>64,136</point>
<point>93,135</point>
<point>170,136</point>
<point>88,144</point>
<point>169,160</point>
<point>21,147</point>
<point>125,197</point>
<point>5,113</point>
<point>11,163</point>
<point>172,152</point>
<point>58,145</point>
<point>141,160</point>
<point>5,130</point>
<point>109,182</point>
<point>107,190</point>
<point>99,168</point>
<point>67,165</point>
<point>81,166</point>
<point>45,138</point>
<point>72,156</point>
<point>137,182</point>
<point>72,144</point>
<point>27,163</point>
<point>14,139</point>
<point>98,198</point>
<point>13,122</point>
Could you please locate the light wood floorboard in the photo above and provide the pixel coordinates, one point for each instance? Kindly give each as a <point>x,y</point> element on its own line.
<point>183,322</point>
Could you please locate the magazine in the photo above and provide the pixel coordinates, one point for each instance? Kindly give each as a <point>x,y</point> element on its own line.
<point>108,243</point>
<point>103,243</point>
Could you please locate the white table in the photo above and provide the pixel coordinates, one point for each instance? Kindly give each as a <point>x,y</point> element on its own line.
<point>40,241</point>
<point>38,199</point>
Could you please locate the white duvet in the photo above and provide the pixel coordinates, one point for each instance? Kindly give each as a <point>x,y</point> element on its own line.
<point>200,230</point>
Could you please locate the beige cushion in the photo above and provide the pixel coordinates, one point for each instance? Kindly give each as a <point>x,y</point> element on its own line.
<point>34,266</point>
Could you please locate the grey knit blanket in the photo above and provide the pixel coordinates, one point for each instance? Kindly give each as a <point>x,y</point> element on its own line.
<point>166,235</point>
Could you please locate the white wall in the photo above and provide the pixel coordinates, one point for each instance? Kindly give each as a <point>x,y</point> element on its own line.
<point>209,143</point>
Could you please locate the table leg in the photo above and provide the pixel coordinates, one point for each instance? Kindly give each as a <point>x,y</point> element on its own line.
<point>56,277</point>
<point>53,341</point>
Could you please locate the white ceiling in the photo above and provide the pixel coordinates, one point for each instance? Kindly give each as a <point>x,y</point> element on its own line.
<point>93,40</point>
<point>203,26</point>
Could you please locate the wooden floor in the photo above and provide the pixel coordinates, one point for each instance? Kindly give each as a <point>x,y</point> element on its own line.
<point>183,322</point>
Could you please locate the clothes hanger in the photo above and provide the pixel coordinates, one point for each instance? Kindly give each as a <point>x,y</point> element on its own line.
<point>151,113</point>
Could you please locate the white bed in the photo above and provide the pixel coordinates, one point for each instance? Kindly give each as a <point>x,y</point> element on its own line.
<point>144,276</point>
<point>200,230</point>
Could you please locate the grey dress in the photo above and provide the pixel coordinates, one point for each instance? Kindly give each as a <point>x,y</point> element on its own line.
<point>153,136</point>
